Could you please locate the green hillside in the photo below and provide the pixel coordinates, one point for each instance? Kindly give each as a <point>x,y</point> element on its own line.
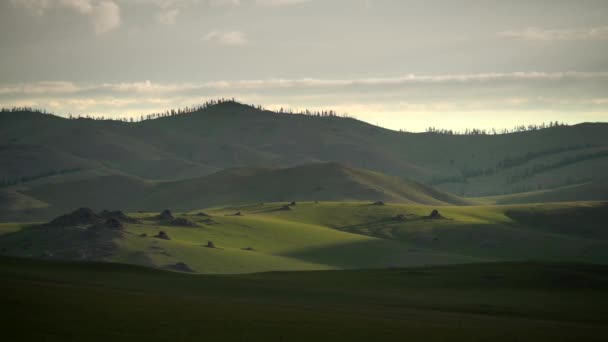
<point>590,191</point>
<point>106,189</point>
<point>54,301</point>
<point>326,235</point>
<point>229,135</point>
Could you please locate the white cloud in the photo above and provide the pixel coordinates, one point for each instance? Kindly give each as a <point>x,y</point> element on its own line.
<point>168,17</point>
<point>458,81</point>
<point>232,38</point>
<point>540,34</point>
<point>104,14</point>
<point>279,2</point>
<point>394,102</point>
<point>220,3</point>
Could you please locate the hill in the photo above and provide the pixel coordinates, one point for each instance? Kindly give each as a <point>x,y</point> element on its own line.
<point>318,236</point>
<point>495,302</point>
<point>231,135</point>
<point>320,181</point>
<point>587,191</point>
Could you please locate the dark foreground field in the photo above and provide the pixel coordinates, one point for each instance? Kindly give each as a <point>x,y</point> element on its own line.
<point>49,301</point>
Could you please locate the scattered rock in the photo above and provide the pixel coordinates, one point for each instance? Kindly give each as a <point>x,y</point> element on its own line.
<point>165,215</point>
<point>118,215</point>
<point>378,203</point>
<point>210,244</point>
<point>400,217</point>
<point>113,224</point>
<point>435,215</point>
<point>183,222</point>
<point>162,235</point>
<point>179,267</point>
<point>77,217</point>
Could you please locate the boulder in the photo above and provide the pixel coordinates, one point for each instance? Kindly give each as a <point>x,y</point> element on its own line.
<point>400,217</point>
<point>162,235</point>
<point>378,203</point>
<point>165,215</point>
<point>118,215</point>
<point>210,244</point>
<point>113,224</point>
<point>435,215</point>
<point>78,217</point>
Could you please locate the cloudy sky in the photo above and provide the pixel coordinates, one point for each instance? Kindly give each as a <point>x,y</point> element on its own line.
<point>397,63</point>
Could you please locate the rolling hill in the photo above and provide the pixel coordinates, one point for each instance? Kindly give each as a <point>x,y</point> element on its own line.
<point>36,146</point>
<point>320,181</point>
<point>323,235</point>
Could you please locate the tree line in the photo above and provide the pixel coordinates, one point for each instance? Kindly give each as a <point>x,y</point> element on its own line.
<point>494,131</point>
<point>182,111</point>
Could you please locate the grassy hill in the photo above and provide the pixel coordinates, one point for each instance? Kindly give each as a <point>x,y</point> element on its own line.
<point>55,301</point>
<point>327,235</point>
<point>591,191</point>
<point>320,181</point>
<point>230,135</point>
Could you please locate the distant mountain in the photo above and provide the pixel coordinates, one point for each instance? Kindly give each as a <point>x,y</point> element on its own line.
<point>311,182</point>
<point>38,148</point>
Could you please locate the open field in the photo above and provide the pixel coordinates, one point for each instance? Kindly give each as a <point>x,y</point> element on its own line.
<point>327,235</point>
<point>53,301</point>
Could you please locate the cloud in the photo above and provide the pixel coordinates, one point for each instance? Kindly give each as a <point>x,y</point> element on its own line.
<point>459,82</point>
<point>104,14</point>
<point>221,3</point>
<point>231,38</point>
<point>539,34</point>
<point>279,2</point>
<point>168,17</point>
<point>409,101</point>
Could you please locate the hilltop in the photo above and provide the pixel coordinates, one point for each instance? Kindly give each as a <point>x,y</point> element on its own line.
<point>231,135</point>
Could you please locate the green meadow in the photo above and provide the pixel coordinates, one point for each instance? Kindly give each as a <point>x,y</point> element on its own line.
<point>329,235</point>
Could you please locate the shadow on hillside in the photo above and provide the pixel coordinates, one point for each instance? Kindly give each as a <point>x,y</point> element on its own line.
<point>63,243</point>
<point>582,221</point>
<point>375,253</point>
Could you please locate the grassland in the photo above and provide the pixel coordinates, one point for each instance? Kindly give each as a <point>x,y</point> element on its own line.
<point>231,135</point>
<point>50,197</point>
<point>330,235</point>
<point>58,301</point>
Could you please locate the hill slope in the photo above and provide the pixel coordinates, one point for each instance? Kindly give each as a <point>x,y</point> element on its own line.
<point>325,235</point>
<point>231,135</point>
<point>320,181</point>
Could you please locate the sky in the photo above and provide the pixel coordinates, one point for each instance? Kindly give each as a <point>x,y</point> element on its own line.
<point>399,64</point>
